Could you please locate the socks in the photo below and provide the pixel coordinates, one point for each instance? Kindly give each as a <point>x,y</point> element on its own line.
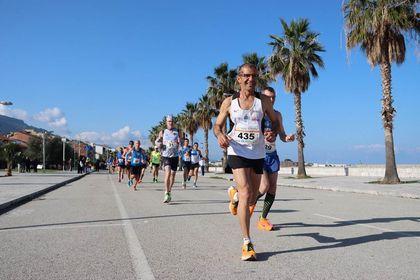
<point>258,197</point>
<point>268,202</point>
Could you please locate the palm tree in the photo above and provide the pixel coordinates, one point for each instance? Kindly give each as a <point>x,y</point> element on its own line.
<point>10,152</point>
<point>189,122</point>
<point>378,27</point>
<point>222,84</point>
<point>203,115</point>
<point>264,75</point>
<point>294,57</point>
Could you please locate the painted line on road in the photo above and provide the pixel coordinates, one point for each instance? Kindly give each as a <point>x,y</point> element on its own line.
<point>138,258</point>
<point>368,226</point>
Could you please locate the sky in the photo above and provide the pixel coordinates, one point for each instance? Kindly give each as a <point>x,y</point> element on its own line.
<point>107,71</point>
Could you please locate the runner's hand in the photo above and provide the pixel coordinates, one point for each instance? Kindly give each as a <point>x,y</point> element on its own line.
<point>290,138</point>
<point>223,141</point>
<point>270,136</point>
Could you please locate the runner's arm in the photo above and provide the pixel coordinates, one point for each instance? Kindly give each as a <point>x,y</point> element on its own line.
<point>222,138</point>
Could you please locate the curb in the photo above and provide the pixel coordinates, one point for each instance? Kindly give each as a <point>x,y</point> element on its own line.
<point>7,206</point>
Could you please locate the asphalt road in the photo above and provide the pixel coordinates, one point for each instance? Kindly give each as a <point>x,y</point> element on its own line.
<point>97,228</point>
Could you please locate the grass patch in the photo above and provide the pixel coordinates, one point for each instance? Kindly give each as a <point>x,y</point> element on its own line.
<point>294,177</point>
<point>217,177</point>
<point>402,182</point>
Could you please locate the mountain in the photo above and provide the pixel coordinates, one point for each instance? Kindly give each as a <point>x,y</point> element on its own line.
<point>8,124</point>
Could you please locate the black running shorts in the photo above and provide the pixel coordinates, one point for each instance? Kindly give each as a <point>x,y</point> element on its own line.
<point>236,162</point>
<point>171,161</point>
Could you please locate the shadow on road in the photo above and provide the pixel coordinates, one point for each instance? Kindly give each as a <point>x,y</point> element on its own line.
<point>340,243</point>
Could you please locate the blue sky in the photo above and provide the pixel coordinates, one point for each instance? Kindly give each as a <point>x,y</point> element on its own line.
<point>107,71</point>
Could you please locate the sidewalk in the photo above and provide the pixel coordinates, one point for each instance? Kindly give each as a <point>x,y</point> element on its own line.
<point>347,184</point>
<point>22,187</point>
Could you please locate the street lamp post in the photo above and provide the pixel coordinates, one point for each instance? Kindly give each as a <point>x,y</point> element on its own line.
<point>43,152</point>
<point>64,151</point>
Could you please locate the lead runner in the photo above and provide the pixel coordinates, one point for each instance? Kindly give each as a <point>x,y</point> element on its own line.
<point>245,145</point>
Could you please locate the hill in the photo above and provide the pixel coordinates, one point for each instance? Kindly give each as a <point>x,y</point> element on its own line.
<point>8,124</point>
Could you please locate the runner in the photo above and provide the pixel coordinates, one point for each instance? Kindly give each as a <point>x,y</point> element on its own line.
<point>155,159</point>
<point>121,163</point>
<point>245,145</point>
<point>169,141</point>
<point>138,160</point>
<point>128,158</point>
<point>268,184</point>
<point>195,159</point>
<point>185,157</point>
<point>144,165</point>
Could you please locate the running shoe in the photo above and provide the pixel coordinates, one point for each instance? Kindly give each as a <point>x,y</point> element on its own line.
<point>167,198</point>
<point>184,185</point>
<point>248,253</point>
<point>264,224</point>
<point>233,206</point>
<point>194,185</point>
<point>129,183</point>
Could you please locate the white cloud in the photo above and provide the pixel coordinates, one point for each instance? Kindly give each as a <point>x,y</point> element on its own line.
<point>117,138</point>
<point>370,147</point>
<point>54,117</point>
<point>121,134</point>
<point>13,113</point>
<point>136,133</point>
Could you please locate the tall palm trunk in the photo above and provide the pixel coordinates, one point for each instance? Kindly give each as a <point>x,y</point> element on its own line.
<point>9,168</point>
<point>391,174</point>
<point>299,135</point>
<point>206,149</point>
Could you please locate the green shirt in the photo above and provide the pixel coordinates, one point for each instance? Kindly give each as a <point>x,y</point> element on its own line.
<point>155,156</point>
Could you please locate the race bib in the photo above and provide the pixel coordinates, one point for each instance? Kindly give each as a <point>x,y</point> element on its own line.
<point>136,161</point>
<point>270,147</point>
<point>120,160</point>
<point>171,144</point>
<point>248,136</point>
<point>187,158</point>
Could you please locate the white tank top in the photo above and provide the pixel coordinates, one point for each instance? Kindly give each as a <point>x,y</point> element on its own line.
<point>170,143</point>
<point>247,138</point>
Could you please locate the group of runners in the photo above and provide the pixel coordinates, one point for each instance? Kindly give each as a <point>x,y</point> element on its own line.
<point>133,160</point>
<point>251,150</point>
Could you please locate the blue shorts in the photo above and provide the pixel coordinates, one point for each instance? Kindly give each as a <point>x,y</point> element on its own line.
<point>271,163</point>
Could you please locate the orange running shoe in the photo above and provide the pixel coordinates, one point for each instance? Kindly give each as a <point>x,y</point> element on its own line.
<point>233,206</point>
<point>264,224</point>
<point>251,209</point>
<point>248,253</point>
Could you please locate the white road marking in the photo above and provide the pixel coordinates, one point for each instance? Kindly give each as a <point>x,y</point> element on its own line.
<point>368,226</point>
<point>138,258</point>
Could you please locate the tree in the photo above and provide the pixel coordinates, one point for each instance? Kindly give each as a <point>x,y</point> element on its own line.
<point>203,115</point>
<point>54,151</point>
<point>294,57</point>
<point>34,150</point>
<point>378,27</point>
<point>264,75</point>
<point>10,152</point>
<point>189,122</point>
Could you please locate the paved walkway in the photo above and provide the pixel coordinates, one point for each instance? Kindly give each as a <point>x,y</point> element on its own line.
<point>22,187</point>
<point>364,185</point>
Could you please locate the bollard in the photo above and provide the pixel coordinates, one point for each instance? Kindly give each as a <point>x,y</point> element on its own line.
<point>346,170</point>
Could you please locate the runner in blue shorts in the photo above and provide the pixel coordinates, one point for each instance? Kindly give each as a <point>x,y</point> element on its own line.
<point>268,184</point>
